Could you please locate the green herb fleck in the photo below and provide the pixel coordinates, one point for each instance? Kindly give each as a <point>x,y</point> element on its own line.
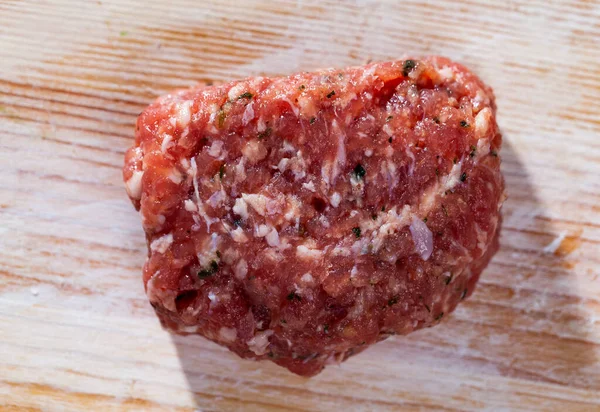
<point>123,33</point>
<point>294,296</point>
<point>237,222</point>
<point>437,171</point>
<point>463,177</point>
<point>494,153</point>
<point>222,171</point>
<point>463,123</point>
<point>331,94</point>
<point>427,307</point>
<point>313,120</point>
<point>473,151</point>
<point>246,95</point>
<point>407,67</point>
<point>326,328</point>
<point>445,210</point>
<point>302,87</point>
<point>356,231</point>
<point>436,119</point>
<point>359,171</point>
<point>389,118</point>
<point>393,300</point>
<point>464,294</point>
<point>449,279</point>
<point>283,321</point>
<point>440,316</point>
<point>341,75</point>
<point>221,118</point>
<point>264,134</point>
<point>211,270</point>
<point>374,216</point>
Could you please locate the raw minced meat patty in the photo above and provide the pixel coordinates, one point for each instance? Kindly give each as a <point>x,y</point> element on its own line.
<point>301,219</point>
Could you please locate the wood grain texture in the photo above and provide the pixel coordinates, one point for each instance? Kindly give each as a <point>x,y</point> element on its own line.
<point>76,331</point>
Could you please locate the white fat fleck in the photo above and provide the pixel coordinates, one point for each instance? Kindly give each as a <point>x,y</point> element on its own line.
<point>236,91</point>
<point>238,235</point>
<point>215,148</point>
<point>293,208</point>
<point>261,231</point>
<point>335,199</point>
<point>214,299</point>
<point>167,138</point>
<point>324,221</point>
<point>241,208</point>
<point>227,334</point>
<point>446,73</point>
<point>260,125</point>
<point>482,122</point>
<point>555,244</point>
<point>216,199</point>
<point>240,170</point>
<point>184,114</point>
<point>254,151</point>
<point>388,170</point>
<point>307,278</point>
<point>288,147</point>
<point>208,251</point>
<point>298,166</point>
<point>241,269</point>
<point>341,251</point>
<point>340,156</point>
<point>161,244</point>
<point>411,167</point>
<point>175,176</point>
<point>392,222</point>
<point>307,105</point>
<point>260,342</point>
<point>482,238</point>
<point>214,111</point>
<point>368,152</point>
<point>453,178</point>
<point>480,100</point>
<point>483,148</point>
<point>388,129</point>
<point>190,206</point>
<point>304,252</point>
<point>272,238</point>
<point>199,204</point>
<point>257,202</point>
<point>422,238</point>
<point>248,113</point>
<point>353,272</point>
<point>309,186</point>
<point>283,164</point>
<point>325,172</point>
<point>133,185</point>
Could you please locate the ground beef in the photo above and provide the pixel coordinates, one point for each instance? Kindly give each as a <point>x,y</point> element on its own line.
<point>301,219</point>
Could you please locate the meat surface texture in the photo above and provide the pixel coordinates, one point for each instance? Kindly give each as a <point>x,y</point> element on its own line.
<point>301,219</point>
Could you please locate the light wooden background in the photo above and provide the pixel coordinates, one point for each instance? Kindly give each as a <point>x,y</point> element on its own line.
<point>76,331</point>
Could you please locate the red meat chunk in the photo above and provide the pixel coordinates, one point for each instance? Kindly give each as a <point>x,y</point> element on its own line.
<point>301,219</point>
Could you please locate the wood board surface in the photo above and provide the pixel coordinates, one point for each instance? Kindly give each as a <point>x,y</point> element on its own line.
<point>76,331</point>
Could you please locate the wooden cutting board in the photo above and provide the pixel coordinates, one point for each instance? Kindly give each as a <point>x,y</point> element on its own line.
<point>76,331</point>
